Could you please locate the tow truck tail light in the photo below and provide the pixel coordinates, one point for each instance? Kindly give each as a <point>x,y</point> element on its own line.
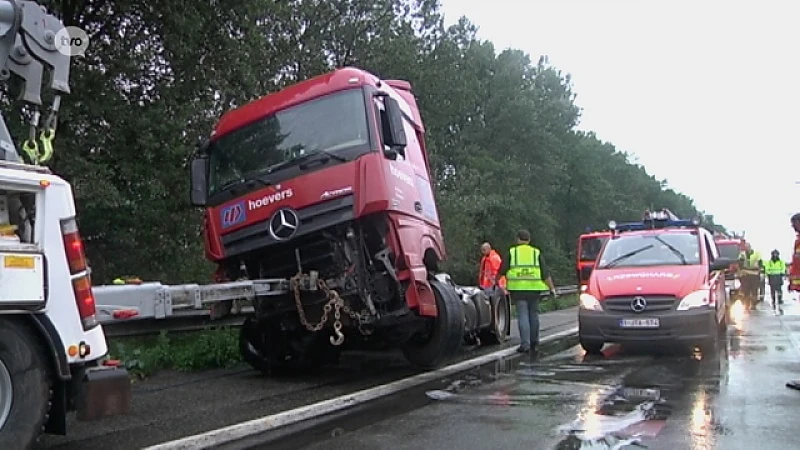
<point>82,283</point>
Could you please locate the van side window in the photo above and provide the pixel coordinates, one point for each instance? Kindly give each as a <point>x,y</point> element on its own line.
<point>710,249</point>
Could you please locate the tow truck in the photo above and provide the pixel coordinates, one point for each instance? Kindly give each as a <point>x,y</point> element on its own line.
<point>321,218</point>
<point>657,282</point>
<point>53,352</point>
<point>589,246</point>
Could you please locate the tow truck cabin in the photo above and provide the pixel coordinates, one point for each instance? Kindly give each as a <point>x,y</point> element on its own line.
<point>656,282</point>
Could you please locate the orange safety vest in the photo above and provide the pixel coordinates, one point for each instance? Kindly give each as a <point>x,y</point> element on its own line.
<point>490,266</point>
<point>794,268</point>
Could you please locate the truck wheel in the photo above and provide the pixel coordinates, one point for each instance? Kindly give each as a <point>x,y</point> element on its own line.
<point>24,386</point>
<point>497,333</point>
<point>266,348</point>
<point>591,347</point>
<point>446,331</point>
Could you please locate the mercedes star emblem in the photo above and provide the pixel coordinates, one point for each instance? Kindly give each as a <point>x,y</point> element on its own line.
<point>283,224</point>
<point>638,304</point>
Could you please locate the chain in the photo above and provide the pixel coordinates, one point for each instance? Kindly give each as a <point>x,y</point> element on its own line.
<point>326,310</point>
<point>335,303</point>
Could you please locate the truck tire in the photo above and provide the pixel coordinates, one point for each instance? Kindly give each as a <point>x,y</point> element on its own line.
<point>497,333</point>
<point>268,350</point>
<point>446,330</point>
<point>25,385</point>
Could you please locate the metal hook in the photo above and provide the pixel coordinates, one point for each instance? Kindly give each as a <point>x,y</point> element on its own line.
<point>339,339</point>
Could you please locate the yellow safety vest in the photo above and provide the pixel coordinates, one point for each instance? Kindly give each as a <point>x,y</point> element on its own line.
<point>775,267</point>
<point>752,262</point>
<point>524,272</point>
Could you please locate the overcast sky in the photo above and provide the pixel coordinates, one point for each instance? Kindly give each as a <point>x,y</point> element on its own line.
<point>703,93</point>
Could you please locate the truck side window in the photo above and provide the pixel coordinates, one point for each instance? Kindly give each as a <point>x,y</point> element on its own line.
<point>413,151</point>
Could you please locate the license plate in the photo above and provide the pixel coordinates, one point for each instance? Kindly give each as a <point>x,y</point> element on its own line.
<point>650,394</point>
<point>639,323</point>
<point>19,262</point>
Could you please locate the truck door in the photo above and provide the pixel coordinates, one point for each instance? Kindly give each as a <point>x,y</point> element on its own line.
<point>407,177</point>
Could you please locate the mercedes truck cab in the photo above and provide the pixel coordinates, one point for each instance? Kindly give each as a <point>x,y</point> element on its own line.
<point>659,282</point>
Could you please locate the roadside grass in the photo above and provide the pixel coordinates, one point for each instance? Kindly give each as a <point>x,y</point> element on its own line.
<point>216,348</point>
<point>208,349</point>
<point>562,302</point>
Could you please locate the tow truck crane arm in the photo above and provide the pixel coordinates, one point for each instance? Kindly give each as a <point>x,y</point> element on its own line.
<point>28,45</point>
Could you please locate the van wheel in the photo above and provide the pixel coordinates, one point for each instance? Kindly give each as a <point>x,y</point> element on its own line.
<point>592,347</point>
<point>497,333</point>
<point>24,385</point>
<point>445,331</point>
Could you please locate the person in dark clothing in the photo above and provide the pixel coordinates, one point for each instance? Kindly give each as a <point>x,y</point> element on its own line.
<point>527,281</point>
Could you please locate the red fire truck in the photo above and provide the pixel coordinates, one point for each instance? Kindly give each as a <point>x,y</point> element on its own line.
<point>589,246</point>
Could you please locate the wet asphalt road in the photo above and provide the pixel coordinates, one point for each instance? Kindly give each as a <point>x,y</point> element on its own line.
<point>734,398</point>
<point>173,405</point>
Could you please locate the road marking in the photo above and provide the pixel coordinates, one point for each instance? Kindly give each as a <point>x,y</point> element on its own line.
<point>264,424</point>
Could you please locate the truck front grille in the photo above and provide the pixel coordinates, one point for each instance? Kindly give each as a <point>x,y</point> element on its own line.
<point>313,219</point>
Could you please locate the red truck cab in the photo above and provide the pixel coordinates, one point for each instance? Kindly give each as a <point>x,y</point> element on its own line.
<point>659,281</point>
<point>589,246</point>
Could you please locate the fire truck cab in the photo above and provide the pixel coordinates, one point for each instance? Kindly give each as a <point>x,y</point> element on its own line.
<point>659,281</point>
<point>589,246</point>
<point>730,247</point>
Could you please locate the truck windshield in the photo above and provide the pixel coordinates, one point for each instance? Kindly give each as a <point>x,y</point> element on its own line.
<point>328,124</point>
<point>729,250</point>
<point>590,247</point>
<point>651,250</point>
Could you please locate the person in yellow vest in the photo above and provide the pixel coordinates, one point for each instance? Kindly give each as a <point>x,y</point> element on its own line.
<point>751,266</point>
<point>528,280</point>
<point>775,269</point>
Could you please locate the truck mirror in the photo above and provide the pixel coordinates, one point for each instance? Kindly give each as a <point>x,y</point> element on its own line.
<point>395,134</point>
<point>199,180</point>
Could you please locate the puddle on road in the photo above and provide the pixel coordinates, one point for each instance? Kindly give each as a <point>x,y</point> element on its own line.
<point>623,402</point>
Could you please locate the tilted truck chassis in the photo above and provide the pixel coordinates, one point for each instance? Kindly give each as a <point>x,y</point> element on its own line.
<point>52,349</point>
<point>478,316</point>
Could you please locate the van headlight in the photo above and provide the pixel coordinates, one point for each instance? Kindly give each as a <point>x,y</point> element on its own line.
<point>590,302</point>
<point>696,299</point>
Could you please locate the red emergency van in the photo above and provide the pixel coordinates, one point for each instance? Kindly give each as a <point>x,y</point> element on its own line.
<point>656,282</point>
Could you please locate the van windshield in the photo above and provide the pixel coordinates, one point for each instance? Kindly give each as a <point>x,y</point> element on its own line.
<point>329,124</point>
<point>643,250</point>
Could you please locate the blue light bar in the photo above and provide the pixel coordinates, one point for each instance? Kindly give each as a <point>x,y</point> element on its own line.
<point>655,224</point>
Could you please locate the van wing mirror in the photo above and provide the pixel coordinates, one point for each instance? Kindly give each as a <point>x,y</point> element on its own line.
<point>394,134</point>
<point>721,263</point>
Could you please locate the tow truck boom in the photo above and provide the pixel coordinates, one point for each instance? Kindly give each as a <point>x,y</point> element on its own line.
<point>28,45</point>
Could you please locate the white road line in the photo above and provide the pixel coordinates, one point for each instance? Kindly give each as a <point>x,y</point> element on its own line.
<point>264,424</point>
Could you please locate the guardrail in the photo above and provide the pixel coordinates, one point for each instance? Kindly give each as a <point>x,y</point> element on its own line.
<point>200,320</point>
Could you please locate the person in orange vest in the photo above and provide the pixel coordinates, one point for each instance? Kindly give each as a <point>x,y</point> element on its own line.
<point>490,265</point>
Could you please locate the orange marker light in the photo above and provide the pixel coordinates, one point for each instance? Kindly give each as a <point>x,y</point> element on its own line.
<point>72,350</point>
<point>44,183</point>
